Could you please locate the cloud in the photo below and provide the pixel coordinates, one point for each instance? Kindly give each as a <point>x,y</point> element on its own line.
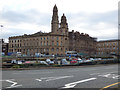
<point>100,25</point>
<point>30,16</point>
<point>97,18</point>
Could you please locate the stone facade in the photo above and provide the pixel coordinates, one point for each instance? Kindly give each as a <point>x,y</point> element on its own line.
<point>82,43</point>
<point>58,41</point>
<point>108,47</point>
<point>45,43</point>
<point>15,44</point>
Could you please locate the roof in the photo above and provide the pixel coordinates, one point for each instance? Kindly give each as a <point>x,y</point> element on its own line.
<point>112,40</point>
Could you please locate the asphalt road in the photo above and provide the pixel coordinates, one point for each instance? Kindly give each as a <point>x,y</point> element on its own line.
<point>101,76</point>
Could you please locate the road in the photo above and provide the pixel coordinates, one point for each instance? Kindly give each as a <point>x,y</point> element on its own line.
<point>93,76</point>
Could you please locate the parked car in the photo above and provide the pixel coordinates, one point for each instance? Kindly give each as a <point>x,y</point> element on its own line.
<point>87,60</point>
<point>80,60</point>
<point>43,62</point>
<point>74,61</point>
<point>51,62</point>
<point>14,62</point>
<point>64,62</point>
<point>48,60</point>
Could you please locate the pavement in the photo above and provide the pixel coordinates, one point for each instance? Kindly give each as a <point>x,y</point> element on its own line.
<point>99,77</point>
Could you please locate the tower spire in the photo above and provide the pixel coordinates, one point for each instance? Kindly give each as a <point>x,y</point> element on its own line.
<point>63,19</point>
<point>64,24</point>
<point>55,21</point>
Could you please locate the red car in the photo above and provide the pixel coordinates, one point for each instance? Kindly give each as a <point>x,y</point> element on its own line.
<point>74,60</point>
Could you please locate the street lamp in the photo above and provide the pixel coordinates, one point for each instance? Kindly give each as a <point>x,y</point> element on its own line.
<point>1,31</point>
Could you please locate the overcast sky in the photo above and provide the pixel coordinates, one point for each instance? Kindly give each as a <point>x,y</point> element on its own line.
<point>98,18</point>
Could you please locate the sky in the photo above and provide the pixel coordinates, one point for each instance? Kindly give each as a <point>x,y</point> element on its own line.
<point>98,18</point>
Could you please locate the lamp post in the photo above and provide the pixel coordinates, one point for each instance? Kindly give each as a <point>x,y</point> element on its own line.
<point>1,31</point>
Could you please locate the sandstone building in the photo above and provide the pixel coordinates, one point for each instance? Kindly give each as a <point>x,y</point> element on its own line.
<point>56,42</point>
<point>108,47</point>
<point>82,43</point>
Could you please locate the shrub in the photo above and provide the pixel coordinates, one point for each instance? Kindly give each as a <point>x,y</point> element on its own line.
<point>16,66</point>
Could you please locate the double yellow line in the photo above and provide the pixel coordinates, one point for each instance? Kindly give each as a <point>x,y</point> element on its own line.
<point>110,85</point>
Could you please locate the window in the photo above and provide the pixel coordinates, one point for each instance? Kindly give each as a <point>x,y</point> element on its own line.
<point>65,30</point>
<point>61,43</point>
<point>41,38</point>
<point>52,43</point>
<point>44,38</point>
<point>65,38</point>
<point>47,43</point>
<point>57,49</point>
<point>113,47</point>
<point>41,43</point>
<point>57,43</point>
<point>44,49</point>
<point>41,50</point>
<point>44,43</point>
<point>47,38</point>
<point>66,49</point>
<point>107,44</point>
<point>113,43</point>
<point>52,49</point>
<point>57,38</point>
<point>52,37</point>
<point>47,49</point>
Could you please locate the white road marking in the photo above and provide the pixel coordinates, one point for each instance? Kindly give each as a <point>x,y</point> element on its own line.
<point>114,76</point>
<point>59,78</point>
<point>47,77</point>
<point>7,79</point>
<point>73,84</point>
<point>38,80</point>
<point>103,73</point>
<point>14,84</point>
<point>53,78</point>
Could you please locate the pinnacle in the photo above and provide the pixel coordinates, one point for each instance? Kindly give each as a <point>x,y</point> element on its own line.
<point>55,7</point>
